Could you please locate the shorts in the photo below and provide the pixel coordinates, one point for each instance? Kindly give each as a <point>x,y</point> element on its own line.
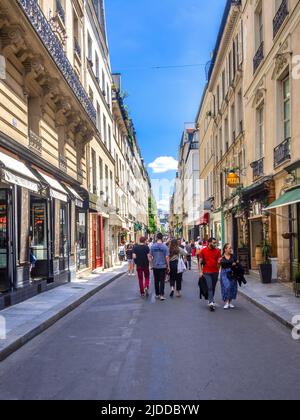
<point>130,261</point>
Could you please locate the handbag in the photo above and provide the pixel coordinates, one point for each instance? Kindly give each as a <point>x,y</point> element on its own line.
<point>181,267</point>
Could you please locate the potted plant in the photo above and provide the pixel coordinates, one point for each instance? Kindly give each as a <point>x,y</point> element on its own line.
<point>265,268</point>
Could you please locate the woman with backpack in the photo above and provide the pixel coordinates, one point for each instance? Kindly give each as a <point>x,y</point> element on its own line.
<point>177,268</point>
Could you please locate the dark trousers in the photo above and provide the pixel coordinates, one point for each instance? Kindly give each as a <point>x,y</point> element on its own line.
<point>175,277</point>
<point>212,281</point>
<point>159,280</point>
<point>189,262</point>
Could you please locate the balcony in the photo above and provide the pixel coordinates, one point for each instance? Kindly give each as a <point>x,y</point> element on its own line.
<point>195,146</point>
<point>60,11</point>
<point>35,143</point>
<point>43,28</point>
<point>258,168</point>
<point>280,17</point>
<point>282,153</point>
<point>63,163</point>
<point>258,58</point>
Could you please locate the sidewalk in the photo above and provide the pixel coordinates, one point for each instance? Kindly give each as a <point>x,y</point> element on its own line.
<point>277,299</point>
<point>30,318</point>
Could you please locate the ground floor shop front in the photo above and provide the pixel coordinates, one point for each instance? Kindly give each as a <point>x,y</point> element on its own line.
<point>43,230</point>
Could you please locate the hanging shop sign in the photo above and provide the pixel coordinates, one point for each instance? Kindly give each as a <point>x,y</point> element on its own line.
<point>233,180</point>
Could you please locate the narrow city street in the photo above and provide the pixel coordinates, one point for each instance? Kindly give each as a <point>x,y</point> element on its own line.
<point>117,346</point>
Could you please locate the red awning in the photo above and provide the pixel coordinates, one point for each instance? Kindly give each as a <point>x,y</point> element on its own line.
<point>204,219</point>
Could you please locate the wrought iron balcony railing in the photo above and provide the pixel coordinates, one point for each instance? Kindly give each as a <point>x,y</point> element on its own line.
<point>77,47</point>
<point>258,168</point>
<point>60,11</point>
<point>41,25</point>
<point>282,153</point>
<point>195,146</point>
<point>258,58</point>
<point>280,17</point>
<point>35,143</point>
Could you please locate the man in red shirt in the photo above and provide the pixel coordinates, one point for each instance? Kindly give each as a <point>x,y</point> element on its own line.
<point>210,258</point>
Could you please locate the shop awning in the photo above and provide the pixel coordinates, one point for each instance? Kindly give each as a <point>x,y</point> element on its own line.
<point>56,189</point>
<point>287,199</point>
<point>16,172</point>
<point>204,219</point>
<point>77,198</point>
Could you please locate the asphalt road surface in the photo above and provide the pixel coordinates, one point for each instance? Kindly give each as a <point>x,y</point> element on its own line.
<point>118,346</point>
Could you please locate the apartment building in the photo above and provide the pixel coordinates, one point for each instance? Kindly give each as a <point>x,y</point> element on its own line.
<point>249,131</point>
<point>272,103</point>
<point>58,178</point>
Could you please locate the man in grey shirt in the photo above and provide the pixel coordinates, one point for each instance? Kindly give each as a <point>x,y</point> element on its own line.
<point>161,265</point>
<point>188,249</point>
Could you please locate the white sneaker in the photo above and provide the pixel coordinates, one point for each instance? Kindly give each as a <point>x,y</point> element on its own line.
<point>231,306</point>
<point>162,298</point>
<point>212,307</point>
<point>227,306</point>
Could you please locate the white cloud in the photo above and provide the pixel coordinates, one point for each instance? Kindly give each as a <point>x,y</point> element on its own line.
<point>164,164</point>
<point>163,205</point>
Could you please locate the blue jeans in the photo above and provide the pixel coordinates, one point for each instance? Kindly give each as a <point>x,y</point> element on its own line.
<point>211,281</point>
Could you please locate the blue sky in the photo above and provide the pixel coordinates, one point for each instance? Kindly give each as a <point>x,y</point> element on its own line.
<point>147,33</point>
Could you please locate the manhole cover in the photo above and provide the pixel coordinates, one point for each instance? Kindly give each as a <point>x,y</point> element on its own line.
<point>275,296</point>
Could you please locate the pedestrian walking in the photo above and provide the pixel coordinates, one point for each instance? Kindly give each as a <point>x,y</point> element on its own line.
<point>130,260</point>
<point>188,250</point>
<point>229,283</point>
<point>194,249</point>
<point>122,252</point>
<point>142,258</point>
<point>161,266</point>
<point>176,272</point>
<point>210,259</point>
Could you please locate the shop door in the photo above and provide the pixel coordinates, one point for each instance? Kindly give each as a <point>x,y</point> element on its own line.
<point>4,242</point>
<point>295,245</point>
<point>97,245</point>
<point>257,237</point>
<point>39,240</point>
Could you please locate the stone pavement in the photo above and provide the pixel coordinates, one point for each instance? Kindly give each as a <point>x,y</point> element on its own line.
<point>277,299</point>
<point>28,319</point>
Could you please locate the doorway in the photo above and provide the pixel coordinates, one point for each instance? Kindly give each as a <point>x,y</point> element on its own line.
<point>97,241</point>
<point>39,252</point>
<point>295,241</point>
<point>257,237</point>
<point>63,238</point>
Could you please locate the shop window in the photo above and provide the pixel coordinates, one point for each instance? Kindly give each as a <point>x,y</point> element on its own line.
<point>39,229</point>
<point>3,241</point>
<point>63,237</point>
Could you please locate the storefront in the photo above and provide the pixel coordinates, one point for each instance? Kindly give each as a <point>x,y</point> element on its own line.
<point>17,182</point>
<point>256,199</point>
<point>287,207</point>
<point>37,229</point>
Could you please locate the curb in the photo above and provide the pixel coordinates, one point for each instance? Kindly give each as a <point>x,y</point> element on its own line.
<point>17,343</point>
<point>274,315</point>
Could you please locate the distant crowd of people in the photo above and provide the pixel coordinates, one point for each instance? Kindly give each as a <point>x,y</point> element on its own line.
<point>170,259</point>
